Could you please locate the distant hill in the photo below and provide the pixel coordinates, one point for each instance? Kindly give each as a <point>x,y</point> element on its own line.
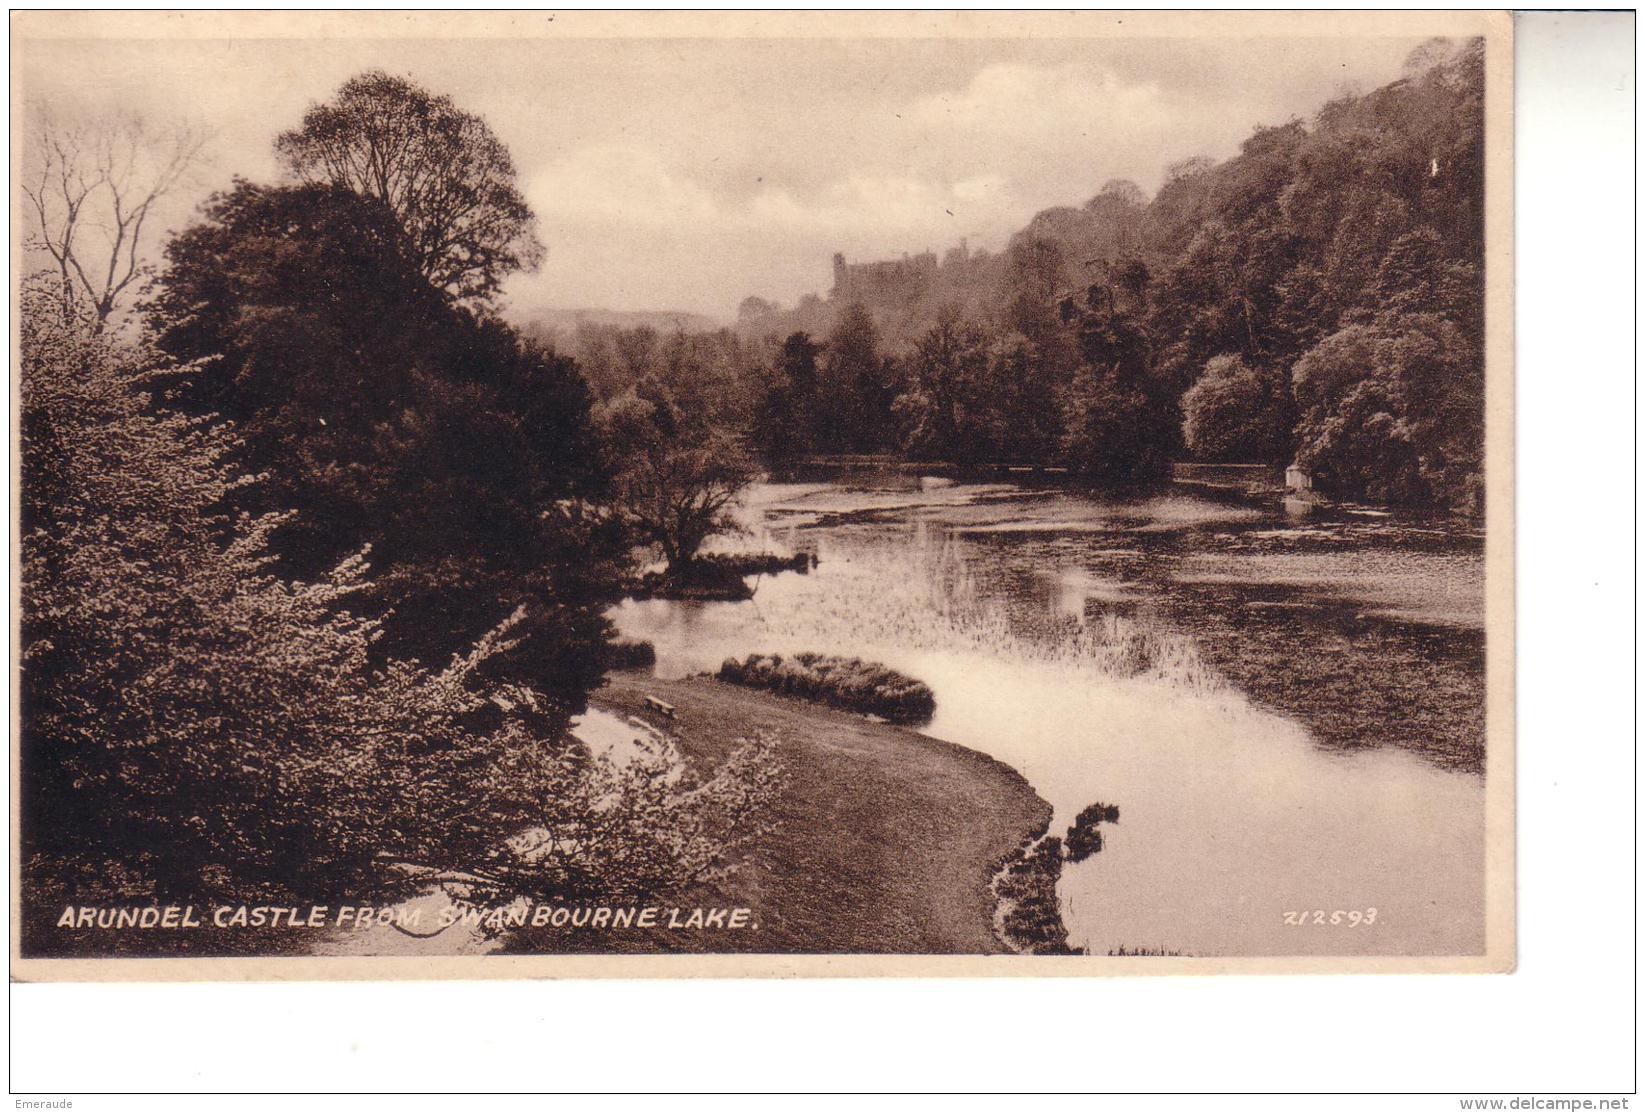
<point>567,320</point>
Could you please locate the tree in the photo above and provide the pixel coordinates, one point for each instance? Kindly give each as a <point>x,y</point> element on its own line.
<point>1236,413</point>
<point>677,481</point>
<point>1191,167</point>
<point>855,390</point>
<point>92,186</point>
<point>1119,421</point>
<point>442,172</point>
<point>1108,438</point>
<point>1394,411</point>
<point>1022,402</point>
<point>753,308</point>
<point>785,425</point>
<point>948,408</point>
<point>198,729</point>
<point>386,416</point>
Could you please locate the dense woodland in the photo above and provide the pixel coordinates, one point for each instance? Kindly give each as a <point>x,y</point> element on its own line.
<point>1317,298</point>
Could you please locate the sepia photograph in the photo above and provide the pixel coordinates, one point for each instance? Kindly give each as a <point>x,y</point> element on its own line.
<point>750,495</point>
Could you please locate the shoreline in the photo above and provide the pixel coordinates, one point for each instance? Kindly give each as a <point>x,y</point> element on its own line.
<point>888,841</point>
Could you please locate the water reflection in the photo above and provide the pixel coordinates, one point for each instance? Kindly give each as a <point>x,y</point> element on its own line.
<point>1058,638</point>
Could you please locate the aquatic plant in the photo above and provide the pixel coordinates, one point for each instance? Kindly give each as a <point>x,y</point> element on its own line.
<point>925,597</point>
<point>846,682</point>
<point>1030,918</point>
<point>1084,839</point>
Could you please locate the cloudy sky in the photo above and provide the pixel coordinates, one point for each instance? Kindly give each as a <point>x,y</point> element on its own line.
<point>687,173</point>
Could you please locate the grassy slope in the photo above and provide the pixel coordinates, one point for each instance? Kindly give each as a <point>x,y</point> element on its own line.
<point>887,839</point>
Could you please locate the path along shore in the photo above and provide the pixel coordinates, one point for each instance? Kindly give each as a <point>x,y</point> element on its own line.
<point>886,840</point>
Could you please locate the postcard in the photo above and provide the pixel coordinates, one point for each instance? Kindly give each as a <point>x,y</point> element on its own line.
<point>761,494</point>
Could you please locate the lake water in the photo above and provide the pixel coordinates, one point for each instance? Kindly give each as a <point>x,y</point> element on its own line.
<point>1289,715</point>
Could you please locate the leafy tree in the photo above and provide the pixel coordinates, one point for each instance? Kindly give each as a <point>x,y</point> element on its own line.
<point>1026,390</point>
<point>1237,413</point>
<point>196,728</point>
<point>1035,279</point>
<point>1106,439</point>
<point>947,410</point>
<point>677,481</point>
<point>856,388</point>
<point>785,425</point>
<point>1119,423</point>
<point>387,416</point>
<point>442,172</point>
<point>1394,411</point>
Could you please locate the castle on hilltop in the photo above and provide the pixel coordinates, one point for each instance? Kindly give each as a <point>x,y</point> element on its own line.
<point>893,281</point>
<point>884,282</point>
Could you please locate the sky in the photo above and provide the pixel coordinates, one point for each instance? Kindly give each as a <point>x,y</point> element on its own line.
<point>688,173</point>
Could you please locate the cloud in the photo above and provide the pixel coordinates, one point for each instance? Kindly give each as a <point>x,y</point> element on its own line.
<point>1005,99</point>
<point>687,173</point>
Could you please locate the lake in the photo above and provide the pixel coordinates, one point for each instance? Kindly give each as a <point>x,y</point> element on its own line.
<point>1288,713</point>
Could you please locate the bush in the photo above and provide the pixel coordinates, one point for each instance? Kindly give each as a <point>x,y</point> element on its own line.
<point>759,564</point>
<point>700,580</point>
<point>1392,411</point>
<point>630,653</point>
<point>844,682</point>
<point>1236,413</point>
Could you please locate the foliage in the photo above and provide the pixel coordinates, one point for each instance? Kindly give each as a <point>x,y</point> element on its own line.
<point>1031,913</point>
<point>846,682</point>
<point>197,728</point>
<point>1119,425</point>
<point>785,426</point>
<point>446,177</point>
<point>630,653</point>
<point>1391,410</point>
<point>386,416</point>
<point>855,387</point>
<point>677,481</point>
<point>1236,413</point>
<point>947,412</point>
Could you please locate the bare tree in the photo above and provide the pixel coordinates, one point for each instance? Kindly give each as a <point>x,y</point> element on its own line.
<point>92,186</point>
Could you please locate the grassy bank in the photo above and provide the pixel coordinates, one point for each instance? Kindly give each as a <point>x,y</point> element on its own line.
<point>886,840</point>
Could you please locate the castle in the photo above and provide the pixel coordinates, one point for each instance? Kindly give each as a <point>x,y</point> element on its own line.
<point>883,283</point>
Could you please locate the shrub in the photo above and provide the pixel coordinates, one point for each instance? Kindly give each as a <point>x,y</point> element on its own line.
<point>844,682</point>
<point>760,564</point>
<point>630,653</point>
<point>1391,411</point>
<point>1238,413</point>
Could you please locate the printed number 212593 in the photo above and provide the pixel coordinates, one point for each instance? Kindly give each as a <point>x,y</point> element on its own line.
<point>1339,918</point>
